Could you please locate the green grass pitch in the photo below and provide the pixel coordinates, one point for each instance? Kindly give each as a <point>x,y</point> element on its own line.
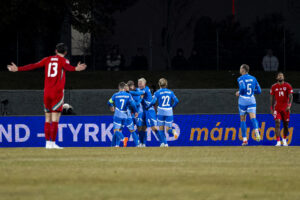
<point>223,173</point>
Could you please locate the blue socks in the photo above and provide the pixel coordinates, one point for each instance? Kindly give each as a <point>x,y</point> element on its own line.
<point>244,129</point>
<point>135,138</point>
<point>162,136</point>
<point>114,140</point>
<point>143,137</point>
<point>119,135</point>
<point>254,123</point>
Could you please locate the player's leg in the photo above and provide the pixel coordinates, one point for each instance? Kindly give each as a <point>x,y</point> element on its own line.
<point>118,125</point>
<point>243,114</point>
<point>55,116</point>
<point>130,126</point>
<point>169,126</point>
<point>161,130</point>
<point>252,114</point>
<point>285,133</point>
<point>151,121</point>
<point>47,130</point>
<point>141,125</point>
<point>286,119</point>
<point>48,120</point>
<point>55,102</point>
<point>277,117</point>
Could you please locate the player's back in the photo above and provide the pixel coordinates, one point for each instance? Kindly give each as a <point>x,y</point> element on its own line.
<point>248,86</point>
<point>122,103</point>
<point>54,73</point>
<point>165,97</point>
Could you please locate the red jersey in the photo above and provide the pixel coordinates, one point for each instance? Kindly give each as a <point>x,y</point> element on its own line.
<point>55,67</point>
<point>281,93</point>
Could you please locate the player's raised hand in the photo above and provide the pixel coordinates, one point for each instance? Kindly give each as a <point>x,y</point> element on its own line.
<point>12,67</point>
<point>80,66</point>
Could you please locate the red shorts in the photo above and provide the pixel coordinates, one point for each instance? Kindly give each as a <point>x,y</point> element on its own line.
<point>53,101</point>
<point>282,115</point>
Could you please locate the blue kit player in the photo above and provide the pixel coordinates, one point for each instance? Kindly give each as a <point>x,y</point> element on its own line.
<point>166,102</point>
<point>119,103</point>
<point>248,87</point>
<point>148,117</point>
<point>137,96</point>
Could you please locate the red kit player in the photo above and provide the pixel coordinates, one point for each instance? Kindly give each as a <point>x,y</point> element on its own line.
<point>55,67</point>
<point>281,102</point>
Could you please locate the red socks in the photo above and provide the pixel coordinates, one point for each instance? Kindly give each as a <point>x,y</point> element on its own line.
<point>54,129</point>
<point>278,139</point>
<point>47,130</point>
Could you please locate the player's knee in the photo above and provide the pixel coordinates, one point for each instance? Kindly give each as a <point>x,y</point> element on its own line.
<point>161,128</point>
<point>154,128</point>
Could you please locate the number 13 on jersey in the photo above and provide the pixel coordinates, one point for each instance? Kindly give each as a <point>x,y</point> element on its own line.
<point>52,69</point>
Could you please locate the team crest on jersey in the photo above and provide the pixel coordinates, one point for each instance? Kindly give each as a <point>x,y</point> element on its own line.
<point>276,89</point>
<point>284,88</point>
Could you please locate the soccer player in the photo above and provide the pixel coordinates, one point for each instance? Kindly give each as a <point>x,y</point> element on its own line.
<point>137,95</point>
<point>148,117</point>
<point>55,78</point>
<point>248,87</point>
<point>119,103</point>
<point>166,102</point>
<point>281,102</point>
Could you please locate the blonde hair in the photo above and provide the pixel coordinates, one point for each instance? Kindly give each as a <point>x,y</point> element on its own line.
<point>143,80</point>
<point>163,83</point>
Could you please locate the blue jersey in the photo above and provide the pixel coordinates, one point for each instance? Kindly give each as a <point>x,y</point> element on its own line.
<point>136,94</point>
<point>147,98</point>
<point>248,86</point>
<point>166,101</point>
<point>122,101</point>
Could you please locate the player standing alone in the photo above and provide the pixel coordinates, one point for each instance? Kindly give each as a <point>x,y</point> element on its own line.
<point>55,67</point>
<point>248,86</point>
<point>281,102</point>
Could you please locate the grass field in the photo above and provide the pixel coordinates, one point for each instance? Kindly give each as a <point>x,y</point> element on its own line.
<point>150,173</point>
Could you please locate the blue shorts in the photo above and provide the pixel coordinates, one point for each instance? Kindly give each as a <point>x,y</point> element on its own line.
<point>164,120</point>
<point>147,118</point>
<point>120,123</point>
<point>247,109</point>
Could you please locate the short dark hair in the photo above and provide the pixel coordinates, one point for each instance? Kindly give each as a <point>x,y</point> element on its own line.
<point>246,67</point>
<point>122,85</point>
<point>61,48</point>
<point>279,73</point>
<point>130,83</point>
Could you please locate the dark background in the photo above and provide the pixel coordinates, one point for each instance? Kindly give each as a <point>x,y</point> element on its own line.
<point>223,37</point>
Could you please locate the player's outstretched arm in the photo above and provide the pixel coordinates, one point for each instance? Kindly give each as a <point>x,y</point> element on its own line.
<point>12,67</point>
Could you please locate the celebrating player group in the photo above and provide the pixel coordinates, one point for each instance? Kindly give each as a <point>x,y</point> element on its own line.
<point>133,106</point>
